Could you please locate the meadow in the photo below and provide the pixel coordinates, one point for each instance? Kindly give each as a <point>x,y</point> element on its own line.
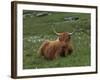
<point>37,28</point>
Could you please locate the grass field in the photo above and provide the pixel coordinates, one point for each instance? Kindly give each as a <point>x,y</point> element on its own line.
<point>38,28</point>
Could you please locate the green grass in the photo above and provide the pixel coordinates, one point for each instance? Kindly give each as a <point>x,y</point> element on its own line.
<point>37,29</point>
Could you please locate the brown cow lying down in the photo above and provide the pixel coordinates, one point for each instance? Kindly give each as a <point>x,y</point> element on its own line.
<point>59,47</point>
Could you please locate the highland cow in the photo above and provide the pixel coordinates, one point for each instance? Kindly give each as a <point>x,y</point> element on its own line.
<point>62,46</point>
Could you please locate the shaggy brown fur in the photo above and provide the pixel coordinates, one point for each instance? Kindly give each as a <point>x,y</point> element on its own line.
<point>53,49</point>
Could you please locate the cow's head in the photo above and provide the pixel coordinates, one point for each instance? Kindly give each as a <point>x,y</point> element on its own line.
<point>63,36</point>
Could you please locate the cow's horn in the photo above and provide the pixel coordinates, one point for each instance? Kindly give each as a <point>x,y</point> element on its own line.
<point>70,33</point>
